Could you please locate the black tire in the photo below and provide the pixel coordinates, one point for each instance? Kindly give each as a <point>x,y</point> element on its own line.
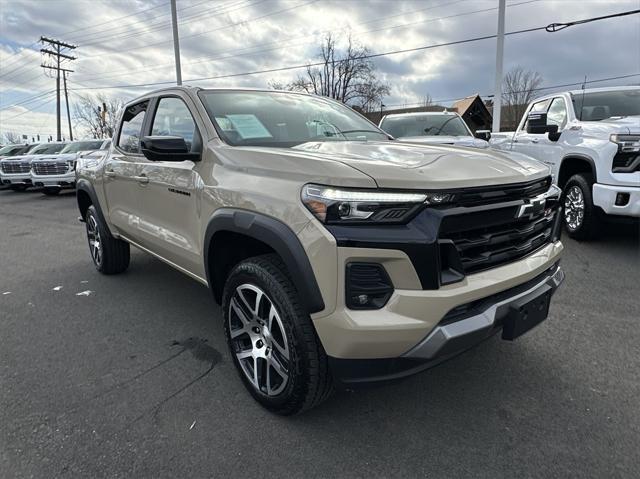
<point>114,254</point>
<point>51,191</point>
<point>309,381</point>
<point>586,229</point>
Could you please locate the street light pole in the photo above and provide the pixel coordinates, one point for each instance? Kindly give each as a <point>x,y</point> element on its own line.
<point>176,41</point>
<point>497,93</point>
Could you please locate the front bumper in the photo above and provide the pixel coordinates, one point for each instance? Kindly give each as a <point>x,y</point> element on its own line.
<point>454,335</point>
<point>16,179</point>
<point>68,180</point>
<point>604,196</point>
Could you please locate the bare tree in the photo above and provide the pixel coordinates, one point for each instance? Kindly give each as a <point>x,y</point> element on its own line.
<point>11,138</point>
<point>98,114</point>
<point>348,76</point>
<point>518,89</point>
<point>427,100</point>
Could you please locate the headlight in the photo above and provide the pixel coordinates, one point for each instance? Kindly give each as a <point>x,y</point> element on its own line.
<point>627,143</point>
<point>332,205</point>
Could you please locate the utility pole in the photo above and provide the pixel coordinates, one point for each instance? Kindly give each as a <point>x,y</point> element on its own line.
<point>176,41</point>
<point>56,54</point>
<point>66,101</point>
<point>497,93</point>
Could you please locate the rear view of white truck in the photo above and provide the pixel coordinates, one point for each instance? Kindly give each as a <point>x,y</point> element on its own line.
<point>591,140</point>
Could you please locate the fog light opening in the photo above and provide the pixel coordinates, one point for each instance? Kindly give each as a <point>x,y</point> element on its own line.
<point>622,199</point>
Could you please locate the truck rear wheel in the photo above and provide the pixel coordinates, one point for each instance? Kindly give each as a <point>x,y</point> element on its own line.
<point>109,255</point>
<point>580,215</point>
<point>272,341</point>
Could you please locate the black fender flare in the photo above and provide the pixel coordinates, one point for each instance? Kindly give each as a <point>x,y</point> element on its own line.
<point>279,237</point>
<point>86,187</point>
<point>580,156</point>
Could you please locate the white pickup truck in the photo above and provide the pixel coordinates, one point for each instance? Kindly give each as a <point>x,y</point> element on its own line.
<point>591,141</point>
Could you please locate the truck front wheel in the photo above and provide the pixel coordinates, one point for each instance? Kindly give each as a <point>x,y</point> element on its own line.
<point>580,215</point>
<point>272,341</point>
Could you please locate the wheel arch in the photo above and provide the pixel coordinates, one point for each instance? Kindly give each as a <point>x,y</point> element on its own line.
<point>233,235</point>
<point>85,197</point>
<point>575,163</point>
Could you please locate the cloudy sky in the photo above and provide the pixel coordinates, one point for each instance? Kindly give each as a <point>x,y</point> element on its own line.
<point>126,45</point>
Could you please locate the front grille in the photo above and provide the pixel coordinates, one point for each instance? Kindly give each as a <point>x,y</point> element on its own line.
<point>50,167</point>
<point>500,194</point>
<point>486,239</point>
<point>15,167</point>
<point>626,162</point>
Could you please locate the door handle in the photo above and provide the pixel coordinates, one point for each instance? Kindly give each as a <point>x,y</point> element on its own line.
<point>110,173</point>
<point>142,179</point>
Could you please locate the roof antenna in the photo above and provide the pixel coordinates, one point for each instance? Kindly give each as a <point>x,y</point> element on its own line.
<point>582,101</point>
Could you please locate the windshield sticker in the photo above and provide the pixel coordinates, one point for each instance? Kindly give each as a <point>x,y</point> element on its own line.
<point>248,126</point>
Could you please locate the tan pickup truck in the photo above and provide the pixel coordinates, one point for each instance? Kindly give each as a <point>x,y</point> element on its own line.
<point>339,255</point>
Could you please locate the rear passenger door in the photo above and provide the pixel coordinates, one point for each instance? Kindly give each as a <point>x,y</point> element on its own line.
<point>170,205</point>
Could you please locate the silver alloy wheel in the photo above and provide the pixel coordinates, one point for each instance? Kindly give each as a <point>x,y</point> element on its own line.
<point>95,243</point>
<point>574,208</point>
<point>258,339</point>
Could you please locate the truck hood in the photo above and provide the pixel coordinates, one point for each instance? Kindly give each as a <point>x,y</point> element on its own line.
<point>604,128</point>
<point>56,157</point>
<point>468,141</point>
<point>395,164</point>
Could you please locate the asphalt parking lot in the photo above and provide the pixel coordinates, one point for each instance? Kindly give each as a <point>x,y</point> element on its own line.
<point>129,376</point>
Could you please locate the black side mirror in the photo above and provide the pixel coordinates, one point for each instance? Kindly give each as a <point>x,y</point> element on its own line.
<point>167,148</point>
<point>483,134</point>
<point>537,124</point>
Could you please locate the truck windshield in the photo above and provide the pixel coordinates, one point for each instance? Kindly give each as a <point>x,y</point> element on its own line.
<point>47,149</point>
<point>598,106</point>
<point>12,150</point>
<point>424,125</point>
<point>280,119</point>
<point>82,146</point>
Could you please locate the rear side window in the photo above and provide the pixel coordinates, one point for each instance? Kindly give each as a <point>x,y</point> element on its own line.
<point>131,127</point>
<point>173,118</point>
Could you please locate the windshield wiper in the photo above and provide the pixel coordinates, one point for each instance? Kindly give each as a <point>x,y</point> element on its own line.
<point>362,131</point>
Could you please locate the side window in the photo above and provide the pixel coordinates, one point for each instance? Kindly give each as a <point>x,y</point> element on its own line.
<point>173,118</point>
<point>539,107</point>
<point>130,131</point>
<point>557,114</point>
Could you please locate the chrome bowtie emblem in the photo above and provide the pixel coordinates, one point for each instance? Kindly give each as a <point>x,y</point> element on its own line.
<point>530,209</point>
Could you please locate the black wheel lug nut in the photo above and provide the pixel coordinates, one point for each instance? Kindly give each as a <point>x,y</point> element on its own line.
<point>259,343</point>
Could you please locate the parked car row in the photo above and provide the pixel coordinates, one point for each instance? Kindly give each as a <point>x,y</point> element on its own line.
<point>50,166</point>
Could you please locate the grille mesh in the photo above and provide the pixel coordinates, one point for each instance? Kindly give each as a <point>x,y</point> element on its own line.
<point>50,168</point>
<point>13,167</point>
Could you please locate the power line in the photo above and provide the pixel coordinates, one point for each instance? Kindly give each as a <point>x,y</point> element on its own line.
<point>27,100</point>
<point>364,57</point>
<point>150,28</point>
<point>58,56</point>
<point>48,100</point>
<point>235,53</point>
<point>551,87</point>
<point>243,22</point>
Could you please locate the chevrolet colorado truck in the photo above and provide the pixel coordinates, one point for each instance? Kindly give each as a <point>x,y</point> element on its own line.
<point>339,255</point>
<point>442,128</point>
<point>591,140</point>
